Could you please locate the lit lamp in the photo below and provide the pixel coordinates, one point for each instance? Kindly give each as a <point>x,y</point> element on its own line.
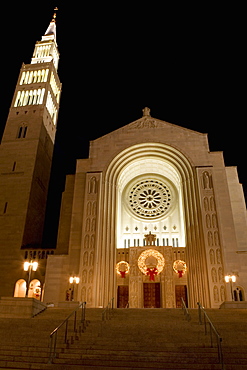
<point>30,266</point>
<point>73,280</point>
<point>230,279</point>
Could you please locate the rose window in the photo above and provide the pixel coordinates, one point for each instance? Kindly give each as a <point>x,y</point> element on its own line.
<point>150,198</point>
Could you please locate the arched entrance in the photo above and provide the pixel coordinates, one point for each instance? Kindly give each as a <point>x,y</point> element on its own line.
<point>151,173</point>
<point>34,290</point>
<point>20,288</point>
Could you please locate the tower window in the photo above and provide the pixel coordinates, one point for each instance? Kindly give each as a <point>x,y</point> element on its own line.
<point>5,208</point>
<point>22,132</point>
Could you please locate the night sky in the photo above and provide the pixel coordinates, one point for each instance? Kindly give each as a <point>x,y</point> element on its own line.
<point>185,62</point>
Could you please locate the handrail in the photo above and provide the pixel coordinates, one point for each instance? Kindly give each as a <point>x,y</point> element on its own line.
<point>108,311</point>
<point>206,320</point>
<point>185,309</point>
<point>54,333</point>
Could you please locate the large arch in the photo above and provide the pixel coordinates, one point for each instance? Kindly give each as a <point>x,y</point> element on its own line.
<point>115,177</point>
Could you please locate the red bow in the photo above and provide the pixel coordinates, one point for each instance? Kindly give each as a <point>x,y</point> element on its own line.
<point>151,273</point>
<point>180,273</point>
<point>123,273</point>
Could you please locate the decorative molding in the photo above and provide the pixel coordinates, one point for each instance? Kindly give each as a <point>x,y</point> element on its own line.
<point>145,122</point>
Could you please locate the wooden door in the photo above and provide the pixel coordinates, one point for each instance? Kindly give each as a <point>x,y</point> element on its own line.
<point>122,296</point>
<point>151,295</point>
<point>181,292</point>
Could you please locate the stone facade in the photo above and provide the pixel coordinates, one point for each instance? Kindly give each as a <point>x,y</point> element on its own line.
<point>152,176</point>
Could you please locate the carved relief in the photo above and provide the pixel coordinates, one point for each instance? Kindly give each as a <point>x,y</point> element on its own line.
<point>212,204</point>
<point>206,204</point>
<point>206,180</point>
<point>208,221</point>
<point>91,259</point>
<point>92,186</point>
<point>89,236</point>
<point>90,277</point>
<point>84,276</point>
<point>222,293</point>
<point>218,256</point>
<point>88,222</point>
<point>150,239</point>
<point>86,241</point>
<point>214,221</point>
<point>92,244</point>
<point>212,256</point>
<point>214,275</point>
<point>220,274</point>
<point>145,123</point>
<point>94,212</point>
<point>89,206</point>
<point>212,234</point>
<point>93,227</point>
<point>89,295</point>
<point>210,238</point>
<point>85,259</point>
<point>216,294</point>
<point>216,238</point>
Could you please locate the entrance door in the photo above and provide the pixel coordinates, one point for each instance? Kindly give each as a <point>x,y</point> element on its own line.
<point>122,296</point>
<point>151,295</point>
<point>181,292</point>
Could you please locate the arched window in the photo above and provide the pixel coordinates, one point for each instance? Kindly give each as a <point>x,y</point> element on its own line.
<point>22,131</point>
<point>238,294</point>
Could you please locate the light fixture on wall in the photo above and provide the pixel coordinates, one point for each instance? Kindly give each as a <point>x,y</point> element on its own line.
<point>231,279</point>
<point>73,280</point>
<point>30,266</point>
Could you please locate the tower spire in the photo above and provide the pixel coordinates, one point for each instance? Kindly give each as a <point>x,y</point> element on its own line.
<point>46,49</point>
<point>51,30</point>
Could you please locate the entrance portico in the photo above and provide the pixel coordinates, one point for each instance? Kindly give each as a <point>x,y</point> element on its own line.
<point>146,286</point>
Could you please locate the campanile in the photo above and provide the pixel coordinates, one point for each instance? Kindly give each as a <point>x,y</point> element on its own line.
<point>25,157</point>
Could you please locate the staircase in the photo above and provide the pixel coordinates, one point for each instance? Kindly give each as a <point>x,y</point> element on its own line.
<point>132,340</point>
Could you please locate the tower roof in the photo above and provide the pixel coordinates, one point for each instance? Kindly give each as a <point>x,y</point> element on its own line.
<point>51,30</point>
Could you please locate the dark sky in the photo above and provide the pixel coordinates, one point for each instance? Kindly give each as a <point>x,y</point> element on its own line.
<point>185,62</point>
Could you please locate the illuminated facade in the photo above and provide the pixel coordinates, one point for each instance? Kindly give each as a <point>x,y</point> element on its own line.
<point>25,162</point>
<point>151,216</point>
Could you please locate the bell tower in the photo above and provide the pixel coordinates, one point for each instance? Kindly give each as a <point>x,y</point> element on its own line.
<point>26,156</point>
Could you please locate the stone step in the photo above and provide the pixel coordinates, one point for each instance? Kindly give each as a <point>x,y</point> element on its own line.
<point>133,339</point>
<point>102,366</point>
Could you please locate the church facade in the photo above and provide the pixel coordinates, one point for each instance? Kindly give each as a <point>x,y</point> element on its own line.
<point>151,216</point>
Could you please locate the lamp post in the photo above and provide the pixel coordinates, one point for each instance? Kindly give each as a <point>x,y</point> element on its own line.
<point>30,266</point>
<point>73,280</point>
<point>230,279</point>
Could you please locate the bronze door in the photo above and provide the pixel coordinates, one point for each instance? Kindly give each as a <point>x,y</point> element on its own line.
<point>181,292</point>
<point>123,296</point>
<point>151,295</point>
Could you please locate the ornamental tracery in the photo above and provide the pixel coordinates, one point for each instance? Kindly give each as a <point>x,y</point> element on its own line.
<point>150,198</point>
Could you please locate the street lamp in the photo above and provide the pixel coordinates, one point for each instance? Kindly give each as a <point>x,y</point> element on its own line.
<point>231,279</point>
<point>30,266</point>
<point>73,280</point>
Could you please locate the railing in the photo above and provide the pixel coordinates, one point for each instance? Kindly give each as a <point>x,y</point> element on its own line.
<point>212,331</point>
<point>107,314</point>
<point>78,326</point>
<point>185,310</point>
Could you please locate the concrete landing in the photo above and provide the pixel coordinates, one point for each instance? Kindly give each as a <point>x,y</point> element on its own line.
<point>20,308</point>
